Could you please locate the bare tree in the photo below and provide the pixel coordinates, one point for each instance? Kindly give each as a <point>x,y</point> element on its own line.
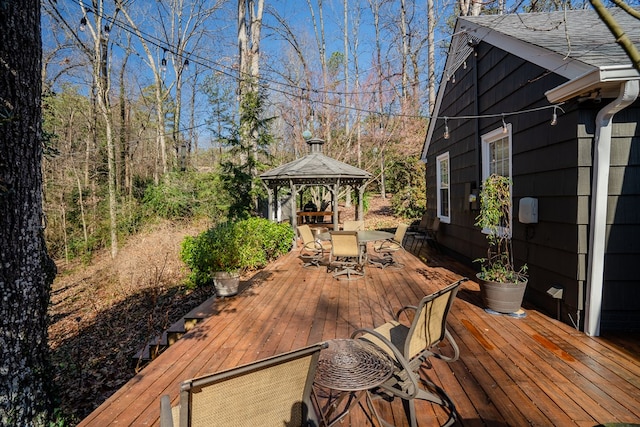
<point>431,54</point>
<point>99,30</point>
<point>249,28</point>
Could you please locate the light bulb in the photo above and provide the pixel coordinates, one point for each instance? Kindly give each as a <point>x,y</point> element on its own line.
<point>446,129</point>
<point>83,24</point>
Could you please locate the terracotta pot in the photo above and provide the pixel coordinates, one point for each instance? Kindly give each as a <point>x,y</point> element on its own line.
<point>502,297</point>
<point>226,283</point>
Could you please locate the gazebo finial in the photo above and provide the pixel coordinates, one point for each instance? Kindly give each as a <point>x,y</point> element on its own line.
<point>315,145</point>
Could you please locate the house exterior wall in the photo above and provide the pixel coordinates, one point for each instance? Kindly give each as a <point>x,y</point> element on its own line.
<point>552,164</point>
<point>548,162</point>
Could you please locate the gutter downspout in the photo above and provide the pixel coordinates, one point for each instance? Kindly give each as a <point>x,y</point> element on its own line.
<point>629,91</point>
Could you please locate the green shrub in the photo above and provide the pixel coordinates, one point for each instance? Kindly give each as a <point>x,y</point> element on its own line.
<point>409,202</point>
<point>185,195</point>
<point>243,245</point>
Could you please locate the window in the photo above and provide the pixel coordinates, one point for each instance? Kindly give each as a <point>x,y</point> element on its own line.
<point>443,179</point>
<point>496,153</point>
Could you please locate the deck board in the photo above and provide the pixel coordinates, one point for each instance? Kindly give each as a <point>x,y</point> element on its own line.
<point>516,372</point>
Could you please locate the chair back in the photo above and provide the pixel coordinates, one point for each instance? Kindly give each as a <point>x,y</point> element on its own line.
<point>424,222</point>
<point>345,244</point>
<point>305,234</point>
<point>436,225</point>
<point>398,237</point>
<point>429,324</point>
<point>351,225</point>
<point>272,392</point>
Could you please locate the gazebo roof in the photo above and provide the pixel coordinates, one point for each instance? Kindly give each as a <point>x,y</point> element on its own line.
<point>315,169</point>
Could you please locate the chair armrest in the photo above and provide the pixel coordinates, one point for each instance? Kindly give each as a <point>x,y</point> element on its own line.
<point>404,309</point>
<point>399,359</point>
<point>456,349</point>
<point>314,246</point>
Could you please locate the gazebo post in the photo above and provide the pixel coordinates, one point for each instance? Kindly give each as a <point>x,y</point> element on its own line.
<point>271,212</point>
<point>334,205</point>
<point>294,208</point>
<point>361,202</point>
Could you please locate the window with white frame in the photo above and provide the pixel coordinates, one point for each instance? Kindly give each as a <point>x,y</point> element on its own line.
<point>496,153</point>
<point>443,180</point>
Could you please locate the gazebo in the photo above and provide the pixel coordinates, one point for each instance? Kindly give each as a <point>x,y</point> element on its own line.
<point>314,169</point>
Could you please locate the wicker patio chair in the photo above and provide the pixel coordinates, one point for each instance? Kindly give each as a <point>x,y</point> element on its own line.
<point>273,392</point>
<point>346,255</point>
<point>386,249</point>
<point>411,346</point>
<point>312,251</point>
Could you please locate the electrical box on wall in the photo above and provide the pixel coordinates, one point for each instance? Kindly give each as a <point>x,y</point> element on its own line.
<point>528,210</point>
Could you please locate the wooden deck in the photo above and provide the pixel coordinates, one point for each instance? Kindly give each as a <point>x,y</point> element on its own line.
<point>516,372</point>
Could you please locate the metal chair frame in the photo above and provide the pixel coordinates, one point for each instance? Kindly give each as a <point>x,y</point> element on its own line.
<point>346,255</point>
<point>386,248</point>
<point>312,251</point>
<point>411,346</point>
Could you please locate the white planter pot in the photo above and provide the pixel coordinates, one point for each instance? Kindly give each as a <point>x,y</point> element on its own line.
<point>226,283</point>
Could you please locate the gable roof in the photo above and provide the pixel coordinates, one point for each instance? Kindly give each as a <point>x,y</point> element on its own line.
<point>578,36</point>
<point>575,44</point>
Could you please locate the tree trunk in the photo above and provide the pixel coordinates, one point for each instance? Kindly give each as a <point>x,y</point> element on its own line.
<point>249,29</point>
<point>101,76</point>
<point>26,271</point>
<point>431,54</point>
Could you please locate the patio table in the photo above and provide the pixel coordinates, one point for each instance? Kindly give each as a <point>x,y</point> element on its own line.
<point>351,368</point>
<point>364,236</point>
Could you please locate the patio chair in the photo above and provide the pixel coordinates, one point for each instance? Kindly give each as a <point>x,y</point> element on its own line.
<point>386,248</point>
<point>351,225</point>
<point>312,251</point>
<point>346,255</point>
<point>411,346</point>
<point>427,233</point>
<point>272,392</point>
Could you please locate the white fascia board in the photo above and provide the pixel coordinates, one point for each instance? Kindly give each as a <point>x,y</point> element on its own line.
<point>559,64</point>
<point>602,79</point>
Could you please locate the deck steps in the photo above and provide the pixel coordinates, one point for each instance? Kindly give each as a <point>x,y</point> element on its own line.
<point>176,331</point>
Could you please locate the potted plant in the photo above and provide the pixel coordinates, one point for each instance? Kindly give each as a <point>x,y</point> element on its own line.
<point>502,285</point>
<point>225,251</point>
<point>226,259</point>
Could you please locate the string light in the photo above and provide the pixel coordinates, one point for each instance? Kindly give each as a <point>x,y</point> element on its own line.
<point>470,42</point>
<point>504,114</point>
<point>163,63</point>
<point>504,125</point>
<point>83,24</point>
<point>186,63</point>
<point>446,128</point>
